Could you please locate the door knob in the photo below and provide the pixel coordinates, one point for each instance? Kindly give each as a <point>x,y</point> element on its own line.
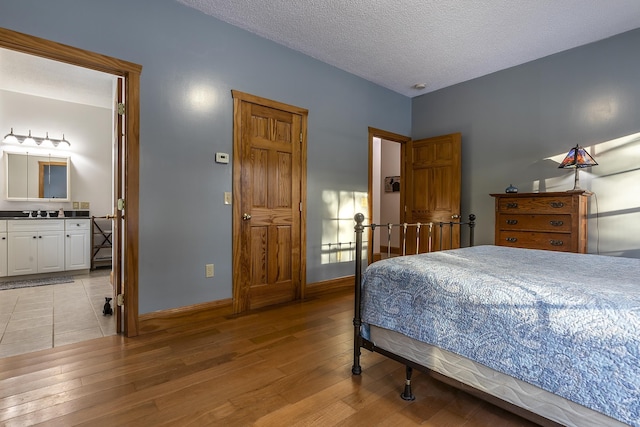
<point>246,216</point>
<point>455,216</point>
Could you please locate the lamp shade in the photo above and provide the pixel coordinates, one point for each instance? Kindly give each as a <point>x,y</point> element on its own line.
<point>577,157</point>
<point>10,138</point>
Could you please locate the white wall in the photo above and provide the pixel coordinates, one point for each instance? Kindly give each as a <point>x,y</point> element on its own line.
<point>375,190</point>
<point>89,131</point>
<point>389,202</point>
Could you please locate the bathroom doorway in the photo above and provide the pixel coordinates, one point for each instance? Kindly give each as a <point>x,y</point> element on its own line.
<point>124,157</point>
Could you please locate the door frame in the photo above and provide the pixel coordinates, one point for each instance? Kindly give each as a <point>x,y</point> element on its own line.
<point>131,73</point>
<point>238,98</point>
<point>392,137</point>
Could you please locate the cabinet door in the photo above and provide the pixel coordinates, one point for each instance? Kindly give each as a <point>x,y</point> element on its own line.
<point>22,256</point>
<point>3,255</point>
<point>77,252</point>
<point>50,251</point>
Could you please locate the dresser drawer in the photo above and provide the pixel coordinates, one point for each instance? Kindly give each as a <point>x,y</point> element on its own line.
<point>535,240</point>
<point>556,223</point>
<point>547,205</point>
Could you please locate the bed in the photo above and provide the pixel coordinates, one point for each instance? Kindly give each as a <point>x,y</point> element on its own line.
<point>552,336</point>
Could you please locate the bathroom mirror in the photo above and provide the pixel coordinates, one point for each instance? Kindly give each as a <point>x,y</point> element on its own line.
<point>37,177</point>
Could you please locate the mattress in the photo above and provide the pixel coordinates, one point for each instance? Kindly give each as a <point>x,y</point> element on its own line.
<point>563,322</point>
<point>485,379</point>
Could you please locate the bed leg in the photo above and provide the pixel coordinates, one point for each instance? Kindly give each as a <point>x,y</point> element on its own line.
<point>407,394</point>
<point>355,368</point>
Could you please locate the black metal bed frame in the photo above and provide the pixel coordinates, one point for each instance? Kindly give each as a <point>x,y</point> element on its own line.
<point>361,342</point>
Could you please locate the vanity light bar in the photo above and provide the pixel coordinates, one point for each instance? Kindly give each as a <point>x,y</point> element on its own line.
<point>12,138</point>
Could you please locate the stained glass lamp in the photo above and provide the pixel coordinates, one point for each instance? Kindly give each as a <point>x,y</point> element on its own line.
<point>577,158</point>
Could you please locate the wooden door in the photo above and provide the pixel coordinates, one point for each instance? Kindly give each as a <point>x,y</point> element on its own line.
<point>432,184</point>
<point>268,164</point>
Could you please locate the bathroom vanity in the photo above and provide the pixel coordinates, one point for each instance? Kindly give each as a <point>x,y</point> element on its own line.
<point>44,245</point>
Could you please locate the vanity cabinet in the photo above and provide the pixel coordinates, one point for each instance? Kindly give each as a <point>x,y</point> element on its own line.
<point>77,244</point>
<point>35,246</point>
<point>3,248</point>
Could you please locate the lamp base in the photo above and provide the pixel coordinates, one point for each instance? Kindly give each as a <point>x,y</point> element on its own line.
<point>576,184</point>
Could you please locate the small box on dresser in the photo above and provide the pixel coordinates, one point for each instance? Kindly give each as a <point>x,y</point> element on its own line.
<point>554,221</point>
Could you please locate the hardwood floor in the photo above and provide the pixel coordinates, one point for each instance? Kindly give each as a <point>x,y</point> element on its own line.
<point>284,366</point>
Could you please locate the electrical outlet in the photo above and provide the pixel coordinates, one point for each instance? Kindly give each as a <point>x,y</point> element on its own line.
<point>208,270</point>
<point>84,205</point>
<point>76,205</point>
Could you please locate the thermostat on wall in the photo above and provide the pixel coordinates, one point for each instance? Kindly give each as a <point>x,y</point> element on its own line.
<point>222,158</point>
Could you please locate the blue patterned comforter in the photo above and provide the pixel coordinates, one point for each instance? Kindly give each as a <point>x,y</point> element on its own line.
<point>565,322</point>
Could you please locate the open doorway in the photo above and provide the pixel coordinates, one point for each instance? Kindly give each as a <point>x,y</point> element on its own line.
<point>42,97</point>
<point>386,189</point>
<point>122,151</point>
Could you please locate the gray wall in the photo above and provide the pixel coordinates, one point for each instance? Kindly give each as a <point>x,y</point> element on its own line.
<point>515,122</point>
<point>184,223</point>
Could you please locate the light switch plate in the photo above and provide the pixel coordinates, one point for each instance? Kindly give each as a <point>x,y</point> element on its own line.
<point>227,197</point>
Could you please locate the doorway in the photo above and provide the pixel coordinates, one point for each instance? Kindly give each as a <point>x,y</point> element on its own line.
<point>125,165</point>
<point>430,180</point>
<point>386,189</point>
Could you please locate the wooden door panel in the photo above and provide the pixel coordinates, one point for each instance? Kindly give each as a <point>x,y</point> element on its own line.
<point>440,201</point>
<point>282,255</point>
<point>258,255</point>
<point>283,178</point>
<point>259,181</point>
<point>420,187</point>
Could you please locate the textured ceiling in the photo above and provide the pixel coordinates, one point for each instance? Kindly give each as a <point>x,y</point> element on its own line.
<point>400,43</point>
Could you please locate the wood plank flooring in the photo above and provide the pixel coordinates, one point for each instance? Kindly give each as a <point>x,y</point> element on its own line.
<point>284,366</point>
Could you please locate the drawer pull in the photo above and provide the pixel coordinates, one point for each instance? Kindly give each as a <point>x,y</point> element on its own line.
<point>511,239</point>
<point>557,223</point>
<point>557,204</point>
<point>512,205</point>
<point>556,242</point>
<point>512,221</point>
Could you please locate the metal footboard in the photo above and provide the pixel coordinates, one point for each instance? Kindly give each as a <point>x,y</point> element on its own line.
<point>445,234</point>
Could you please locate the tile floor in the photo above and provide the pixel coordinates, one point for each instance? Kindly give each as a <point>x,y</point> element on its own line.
<point>49,316</point>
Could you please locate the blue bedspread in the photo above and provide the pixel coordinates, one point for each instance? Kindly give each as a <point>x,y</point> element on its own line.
<point>565,322</point>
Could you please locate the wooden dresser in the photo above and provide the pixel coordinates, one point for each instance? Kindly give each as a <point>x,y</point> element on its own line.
<point>553,221</point>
